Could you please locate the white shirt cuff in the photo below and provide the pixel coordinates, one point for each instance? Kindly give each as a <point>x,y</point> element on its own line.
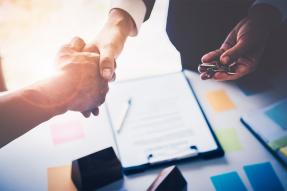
<point>280,5</point>
<point>135,8</point>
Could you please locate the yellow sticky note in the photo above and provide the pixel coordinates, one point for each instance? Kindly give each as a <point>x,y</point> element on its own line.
<point>220,101</point>
<point>59,178</point>
<point>284,151</point>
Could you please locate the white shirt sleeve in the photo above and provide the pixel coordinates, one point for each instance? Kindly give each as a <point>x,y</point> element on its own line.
<point>135,8</point>
<point>280,5</point>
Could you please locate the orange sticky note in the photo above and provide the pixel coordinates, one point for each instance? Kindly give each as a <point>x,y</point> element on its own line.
<point>220,101</point>
<point>59,178</point>
<point>67,131</point>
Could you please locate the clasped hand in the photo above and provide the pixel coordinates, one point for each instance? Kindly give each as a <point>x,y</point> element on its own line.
<point>85,89</point>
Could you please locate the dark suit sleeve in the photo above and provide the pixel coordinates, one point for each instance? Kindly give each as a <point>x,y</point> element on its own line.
<point>149,6</point>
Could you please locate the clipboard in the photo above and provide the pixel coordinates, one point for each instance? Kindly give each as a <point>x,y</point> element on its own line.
<point>165,124</point>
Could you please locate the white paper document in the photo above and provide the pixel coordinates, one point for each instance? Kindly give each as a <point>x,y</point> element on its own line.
<point>164,121</point>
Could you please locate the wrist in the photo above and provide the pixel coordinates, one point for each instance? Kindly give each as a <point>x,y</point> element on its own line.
<point>122,22</point>
<point>265,15</point>
<point>45,95</point>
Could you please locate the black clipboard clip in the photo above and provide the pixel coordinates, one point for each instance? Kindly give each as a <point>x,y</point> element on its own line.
<point>160,157</point>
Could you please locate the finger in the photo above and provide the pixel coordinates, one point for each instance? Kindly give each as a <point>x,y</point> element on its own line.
<point>77,44</point>
<point>95,111</point>
<point>227,44</point>
<point>115,64</point>
<point>66,51</point>
<point>222,76</point>
<point>232,54</point>
<point>86,114</point>
<point>79,58</point>
<point>241,70</point>
<point>211,56</point>
<point>202,68</point>
<point>104,90</point>
<point>91,48</point>
<point>114,77</point>
<point>107,63</point>
<point>101,101</point>
<point>85,56</point>
<point>230,41</point>
<point>205,76</point>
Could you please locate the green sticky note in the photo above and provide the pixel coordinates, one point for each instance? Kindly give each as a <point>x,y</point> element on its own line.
<point>228,139</point>
<point>279,143</point>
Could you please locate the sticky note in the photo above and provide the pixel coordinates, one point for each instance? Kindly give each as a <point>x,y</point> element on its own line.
<point>284,151</point>
<point>59,178</point>
<point>220,101</point>
<point>67,131</point>
<point>228,181</point>
<point>278,114</point>
<point>263,177</point>
<point>278,143</point>
<point>228,139</point>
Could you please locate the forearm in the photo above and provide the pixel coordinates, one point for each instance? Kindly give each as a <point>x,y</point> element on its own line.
<point>24,109</point>
<point>116,30</point>
<point>122,22</point>
<point>111,39</point>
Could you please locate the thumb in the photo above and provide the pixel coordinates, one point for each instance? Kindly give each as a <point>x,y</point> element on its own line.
<point>77,44</point>
<point>107,63</point>
<point>232,54</point>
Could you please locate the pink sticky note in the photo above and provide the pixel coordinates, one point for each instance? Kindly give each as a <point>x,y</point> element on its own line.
<point>67,131</point>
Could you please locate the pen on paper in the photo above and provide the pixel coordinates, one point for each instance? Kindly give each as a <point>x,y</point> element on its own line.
<point>124,115</point>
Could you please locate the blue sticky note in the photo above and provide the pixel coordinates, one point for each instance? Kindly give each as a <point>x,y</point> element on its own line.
<point>228,181</point>
<point>263,177</point>
<point>278,114</point>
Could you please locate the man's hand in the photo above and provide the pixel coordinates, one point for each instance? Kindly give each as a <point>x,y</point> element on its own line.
<point>244,45</point>
<point>85,89</point>
<point>110,41</point>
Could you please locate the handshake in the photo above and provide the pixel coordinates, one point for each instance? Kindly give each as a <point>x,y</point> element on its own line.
<point>82,82</point>
<point>86,69</point>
